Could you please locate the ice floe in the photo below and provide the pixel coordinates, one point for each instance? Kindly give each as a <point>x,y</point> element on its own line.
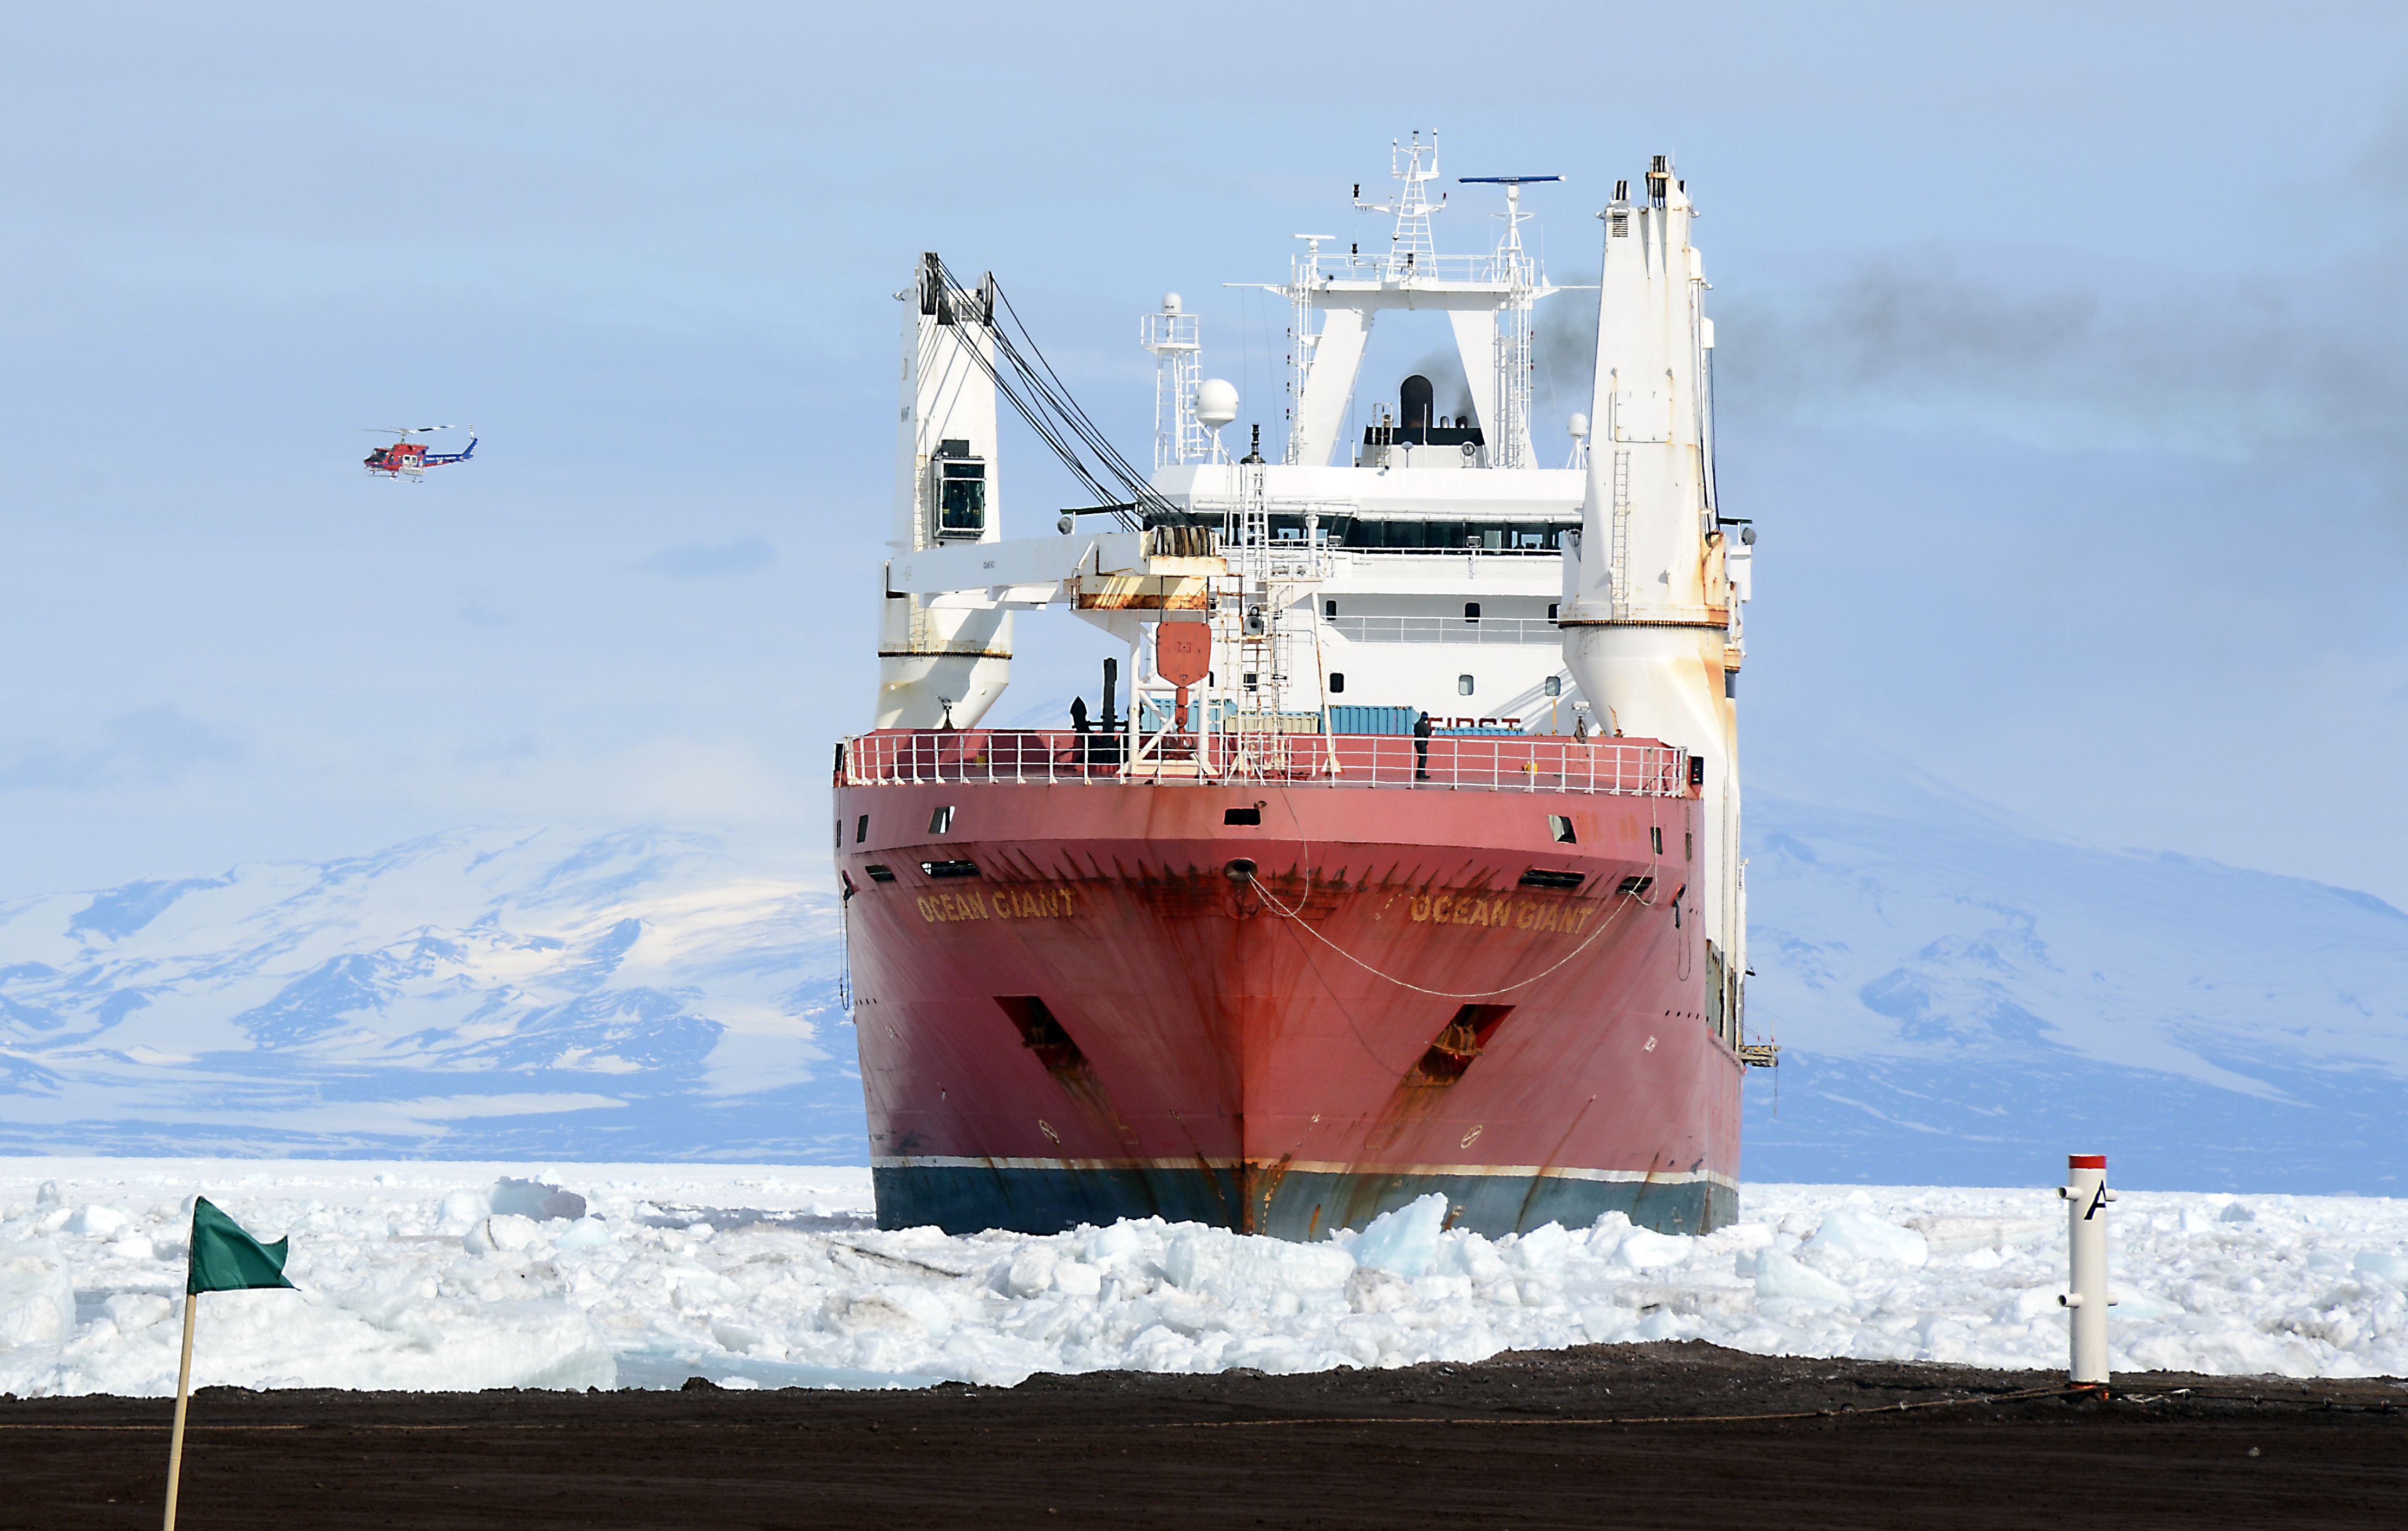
<point>466,1276</point>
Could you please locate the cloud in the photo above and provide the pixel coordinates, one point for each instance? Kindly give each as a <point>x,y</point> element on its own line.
<point>694,560</point>
<point>147,746</point>
<point>2383,163</point>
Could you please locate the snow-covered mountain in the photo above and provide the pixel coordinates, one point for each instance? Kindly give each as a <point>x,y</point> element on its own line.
<point>1959,997</point>
<point>1963,998</point>
<point>622,996</point>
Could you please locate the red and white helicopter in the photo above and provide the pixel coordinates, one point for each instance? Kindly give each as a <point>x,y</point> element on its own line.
<point>407,459</point>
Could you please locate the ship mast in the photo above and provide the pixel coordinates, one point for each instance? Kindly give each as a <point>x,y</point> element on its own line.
<point>1512,268</point>
<point>1173,336</point>
<point>1487,298</point>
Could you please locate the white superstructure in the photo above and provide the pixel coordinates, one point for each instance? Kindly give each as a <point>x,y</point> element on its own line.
<point>1408,562</point>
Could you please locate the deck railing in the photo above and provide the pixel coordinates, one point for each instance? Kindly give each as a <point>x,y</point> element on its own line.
<point>1445,629</point>
<point>1507,763</point>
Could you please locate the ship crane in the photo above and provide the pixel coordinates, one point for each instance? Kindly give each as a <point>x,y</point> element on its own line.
<point>1654,585</point>
<point>954,581</point>
<point>945,636</point>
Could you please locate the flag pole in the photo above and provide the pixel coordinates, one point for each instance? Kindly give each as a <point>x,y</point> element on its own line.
<point>184,1390</point>
<point>222,1258</point>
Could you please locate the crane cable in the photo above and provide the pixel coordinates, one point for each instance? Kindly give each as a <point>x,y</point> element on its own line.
<point>1038,394</point>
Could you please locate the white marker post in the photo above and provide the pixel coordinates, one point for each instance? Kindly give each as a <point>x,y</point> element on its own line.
<point>2087,1197</point>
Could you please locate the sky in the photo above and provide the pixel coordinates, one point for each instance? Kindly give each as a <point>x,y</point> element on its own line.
<point>2060,363</point>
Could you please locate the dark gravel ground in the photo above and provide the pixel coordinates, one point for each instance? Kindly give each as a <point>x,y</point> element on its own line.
<point>1672,1435</point>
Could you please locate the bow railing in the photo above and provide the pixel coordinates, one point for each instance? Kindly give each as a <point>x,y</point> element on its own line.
<point>1504,763</point>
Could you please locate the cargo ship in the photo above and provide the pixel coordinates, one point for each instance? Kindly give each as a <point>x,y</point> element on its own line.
<point>1410,863</point>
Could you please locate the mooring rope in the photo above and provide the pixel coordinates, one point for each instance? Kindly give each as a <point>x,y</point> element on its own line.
<point>1287,914</point>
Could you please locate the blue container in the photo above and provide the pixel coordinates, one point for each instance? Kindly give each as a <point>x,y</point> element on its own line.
<point>1371,719</point>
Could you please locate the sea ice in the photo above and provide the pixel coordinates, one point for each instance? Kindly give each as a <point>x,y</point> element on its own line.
<point>1856,1231</point>
<point>37,1300</point>
<point>1404,1241</point>
<point>1778,1278</point>
<point>456,1275</point>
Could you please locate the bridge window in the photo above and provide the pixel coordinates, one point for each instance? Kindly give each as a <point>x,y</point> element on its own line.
<point>1471,610</point>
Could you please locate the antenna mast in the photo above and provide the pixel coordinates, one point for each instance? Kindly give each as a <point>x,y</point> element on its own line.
<point>1511,268</point>
<point>1303,275</point>
<point>1410,250</point>
<point>1174,336</point>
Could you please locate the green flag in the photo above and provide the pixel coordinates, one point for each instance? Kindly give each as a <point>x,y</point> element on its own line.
<point>226,1259</point>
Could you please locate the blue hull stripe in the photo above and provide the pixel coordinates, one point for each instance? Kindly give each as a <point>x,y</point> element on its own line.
<point>1299,1205</point>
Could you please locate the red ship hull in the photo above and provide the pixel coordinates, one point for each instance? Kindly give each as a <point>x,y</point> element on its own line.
<point>1088,999</point>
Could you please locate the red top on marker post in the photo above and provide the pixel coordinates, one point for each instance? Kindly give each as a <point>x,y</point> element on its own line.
<point>2085,1161</point>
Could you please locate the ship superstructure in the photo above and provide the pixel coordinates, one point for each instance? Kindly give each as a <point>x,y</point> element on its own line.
<point>1411,864</point>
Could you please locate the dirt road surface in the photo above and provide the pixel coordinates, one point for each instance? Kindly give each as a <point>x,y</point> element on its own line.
<point>1659,1435</point>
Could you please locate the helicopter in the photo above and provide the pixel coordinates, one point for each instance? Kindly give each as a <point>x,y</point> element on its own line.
<point>406,458</point>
